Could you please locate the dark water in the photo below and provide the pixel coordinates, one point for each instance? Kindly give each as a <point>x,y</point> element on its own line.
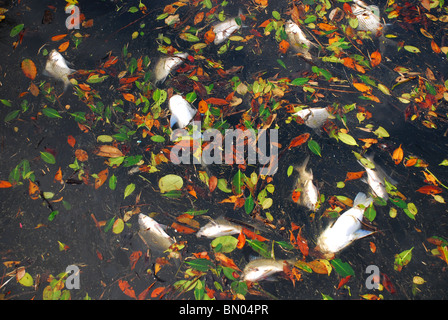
<point>103,257</point>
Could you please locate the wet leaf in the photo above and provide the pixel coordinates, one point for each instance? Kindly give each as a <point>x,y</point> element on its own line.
<point>200,264</point>
<point>354,175</point>
<point>63,46</point>
<point>397,155</point>
<point>81,155</point>
<point>412,49</point>
<point>47,157</point>
<point>260,247</point>
<point>375,58</point>
<point>299,140</point>
<point>51,113</point>
<point>283,46</point>
<point>58,37</point>
<point>118,226</point>
<point>71,141</point>
<point>108,151</point>
<point>342,268</point>
<point>249,204</point>
<point>29,68</point>
<point>16,30</point>
<point>224,244</point>
<point>26,280</point>
<point>102,177</point>
<point>128,190</point>
<point>314,147</point>
<point>402,259</point>
<point>170,182</point>
<point>347,139</point>
<point>430,189</point>
<point>126,288</point>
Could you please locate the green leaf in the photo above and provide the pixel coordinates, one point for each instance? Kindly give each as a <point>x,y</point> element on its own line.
<point>260,247</point>
<point>249,204</point>
<point>112,182</point>
<point>402,259</point>
<point>280,62</point>
<point>370,213</point>
<point>170,182</point>
<point>276,15</point>
<point>6,102</point>
<point>381,132</point>
<point>51,113</point>
<point>129,189</point>
<point>158,138</point>
<point>118,226</point>
<point>26,280</point>
<point>12,115</point>
<point>47,157</point>
<point>109,224</point>
<point>299,81</point>
<point>314,147</point>
<point>200,264</point>
<point>237,182</point>
<point>224,244</point>
<point>16,30</point>
<point>412,49</point>
<point>133,9</point>
<point>289,171</point>
<point>342,268</point>
<point>347,139</point>
<point>52,215</point>
<point>222,185</point>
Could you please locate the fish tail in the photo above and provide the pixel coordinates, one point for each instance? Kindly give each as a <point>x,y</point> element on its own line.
<point>362,199</point>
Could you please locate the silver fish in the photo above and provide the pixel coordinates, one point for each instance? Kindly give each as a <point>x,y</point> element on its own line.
<point>165,65</point>
<point>346,229</point>
<point>218,227</point>
<point>154,234</point>
<point>376,177</point>
<point>298,40</point>
<point>368,16</point>
<point>314,117</point>
<point>260,269</point>
<point>223,30</point>
<point>57,68</point>
<point>309,194</point>
<point>181,111</point>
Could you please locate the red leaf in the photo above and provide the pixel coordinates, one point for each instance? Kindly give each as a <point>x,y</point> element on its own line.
<point>157,292</point>
<point>133,258</point>
<point>217,101</point>
<point>388,284</point>
<point>144,293</point>
<point>297,141</point>
<point>5,184</point>
<point>343,281</point>
<point>430,190</point>
<point>126,288</point>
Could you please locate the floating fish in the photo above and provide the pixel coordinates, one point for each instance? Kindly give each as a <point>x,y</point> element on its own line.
<point>181,111</point>
<point>219,227</point>
<point>57,68</point>
<point>368,17</point>
<point>154,234</point>
<point>165,65</point>
<point>314,117</point>
<point>376,177</point>
<point>298,40</point>
<point>223,30</point>
<point>346,229</point>
<point>260,269</point>
<point>309,194</point>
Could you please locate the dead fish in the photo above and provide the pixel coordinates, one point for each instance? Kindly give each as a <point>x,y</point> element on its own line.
<point>260,269</point>
<point>346,229</point>
<point>181,111</point>
<point>219,227</point>
<point>309,194</point>
<point>57,68</point>
<point>376,177</point>
<point>368,17</point>
<point>154,234</point>
<point>223,30</point>
<point>298,40</point>
<point>314,117</point>
<point>165,65</point>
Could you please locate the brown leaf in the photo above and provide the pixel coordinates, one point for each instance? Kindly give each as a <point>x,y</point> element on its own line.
<point>34,89</point>
<point>102,177</point>
<point>29,69</point>
<point>108,151</point>
<point>226,261</point>
<point>81,155</point>
<point>212,183</point>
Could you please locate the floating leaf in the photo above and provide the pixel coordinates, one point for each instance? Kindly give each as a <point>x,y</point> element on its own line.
<point>299,140</point>
<point>29,68</point>
<point>47,157</point>
<point>51,113</point>
<point>375,58</point>
<point>16,30</point>
<point>430,189</point>
<point>129,189</point>
<point>347,139</point>
<point>412,49</point>
<point>200,264</point>
<point>397,155</point>
<point>314,147</point>
<point>118,226</point>
<point>225,243</point>
<point>170,182</point>
<point>63,46</point>
<point>402,259</point>
<point>26,280</point>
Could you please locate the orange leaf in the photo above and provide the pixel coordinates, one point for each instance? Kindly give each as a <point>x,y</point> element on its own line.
<point>318,267</point>
<point>58,37</point>
<point>81,155</point>
<point>299,140</point>
<point>241,240</point>
<point>326,27</point>
<point>5,184</point>
<point>430,190</point>
<point>283,46</point>
<point>375,58</point>
<point>102,177</point>
<point>84,87</point>
<point>347,8</point>
<point>199,17</point>
<point>128,80</point>
<point>58,176</point>
<point>71,141</point>
<point>263,3</point>
<point>181,228</point>
<point>372,247</point>
<point>29,69</point>
<point>265,23</point>
<point>362,87</point>
<point>226,261</point>
<point>354,175</point>
<point>343,281</point>
<point>133,258</point>
<point>63,46</point>
<point>411,162</point>
<point>295,195</point>
<point>129,97</point>
<point>191,191</point>
<point>33,190</point>
<point>397,155</point>
<point>202,106</point>
<point>108,151</point>
<point>209,36</point>
<point>435,47</point>
<point>302,243</point>
<point>157,292</point>
<point>217,101</point>
<point>144,293</point>
<point>126,288</point>
<point>252,235</point>
<point>212,183</point>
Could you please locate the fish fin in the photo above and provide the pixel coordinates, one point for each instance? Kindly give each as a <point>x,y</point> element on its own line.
<point>361,233</point>
<point>173,120</point>
<point>362,199</point>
